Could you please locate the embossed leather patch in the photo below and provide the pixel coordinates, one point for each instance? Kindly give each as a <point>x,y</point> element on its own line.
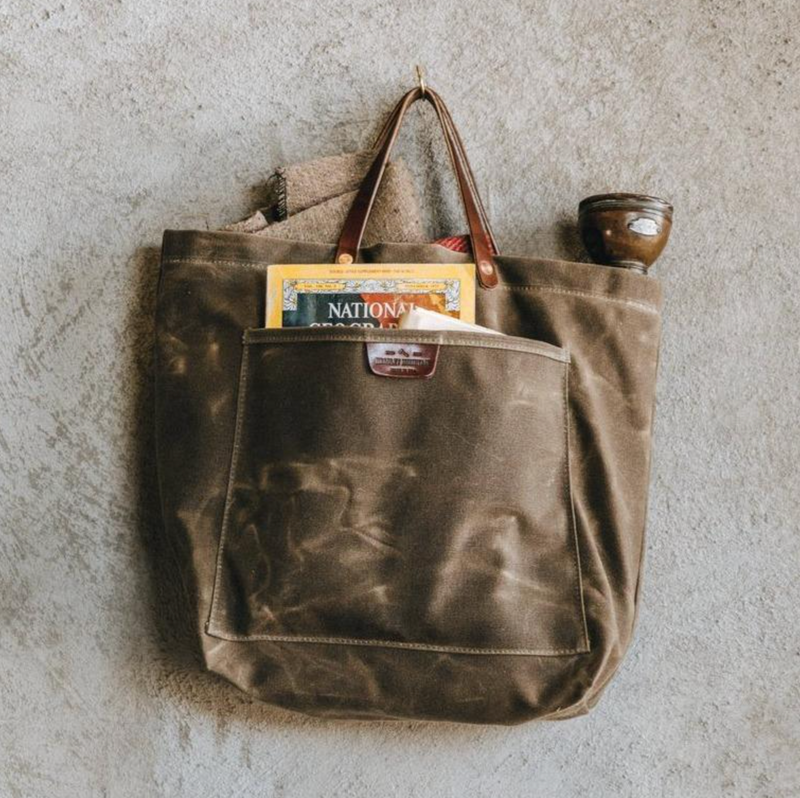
<point>400,359</point>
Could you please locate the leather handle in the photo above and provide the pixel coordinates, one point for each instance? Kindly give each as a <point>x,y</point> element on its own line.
<point>453,152</point>
<point>481,238</point>
<point>459,145</point>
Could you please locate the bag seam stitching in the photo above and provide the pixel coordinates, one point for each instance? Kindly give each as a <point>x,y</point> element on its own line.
<point>643,306</point>
<point>213,616</point>
<point>571,512</point>
<point>373,643</point>
<point>254,336</point>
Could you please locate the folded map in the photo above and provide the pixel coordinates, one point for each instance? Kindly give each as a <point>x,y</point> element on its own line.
<point>421,319</point>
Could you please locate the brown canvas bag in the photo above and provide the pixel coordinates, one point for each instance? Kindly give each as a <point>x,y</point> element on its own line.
<point>465,547</point>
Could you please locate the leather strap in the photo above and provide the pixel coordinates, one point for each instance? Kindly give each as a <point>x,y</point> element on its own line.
<point>459,151</point>
<point>468,169</point>
<point>481,239</point>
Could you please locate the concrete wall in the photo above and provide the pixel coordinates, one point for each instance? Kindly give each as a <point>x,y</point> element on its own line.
<point>118,119</point>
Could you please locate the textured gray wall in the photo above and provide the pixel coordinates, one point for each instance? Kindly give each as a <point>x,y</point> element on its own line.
<point>119,119</point>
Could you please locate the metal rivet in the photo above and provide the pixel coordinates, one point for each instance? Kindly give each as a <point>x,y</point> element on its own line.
<point>485,267</point>
<point>345,258</point>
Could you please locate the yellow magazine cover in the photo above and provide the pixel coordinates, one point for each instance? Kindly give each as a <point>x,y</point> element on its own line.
<point>366,294</point>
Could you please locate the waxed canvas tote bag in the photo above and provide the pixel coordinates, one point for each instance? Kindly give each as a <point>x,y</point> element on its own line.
<point>462,546</point>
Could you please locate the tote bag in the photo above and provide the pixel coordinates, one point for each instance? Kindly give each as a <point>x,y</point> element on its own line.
<point>462,547</point>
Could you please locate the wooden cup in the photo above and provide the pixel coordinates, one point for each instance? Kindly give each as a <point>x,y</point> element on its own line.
<point>625,230</point>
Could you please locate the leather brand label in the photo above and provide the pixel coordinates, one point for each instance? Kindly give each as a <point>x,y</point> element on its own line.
<point>404,360</point>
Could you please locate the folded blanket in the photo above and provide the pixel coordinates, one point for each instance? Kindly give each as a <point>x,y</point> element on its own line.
<point>310,201</point>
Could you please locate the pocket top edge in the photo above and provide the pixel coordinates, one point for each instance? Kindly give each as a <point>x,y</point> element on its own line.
<point>263,335</point>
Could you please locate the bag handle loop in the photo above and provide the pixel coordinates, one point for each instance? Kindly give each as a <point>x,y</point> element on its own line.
<point>461,152</point>
<point>481,239</point>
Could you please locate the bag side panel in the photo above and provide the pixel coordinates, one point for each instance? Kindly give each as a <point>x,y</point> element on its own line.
<point>610,321</point>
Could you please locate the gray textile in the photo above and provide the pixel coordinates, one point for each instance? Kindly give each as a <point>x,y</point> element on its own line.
<point>304,185</point>
<point>311,201</point>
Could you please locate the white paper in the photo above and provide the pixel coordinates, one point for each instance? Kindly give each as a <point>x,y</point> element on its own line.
<point>422,319</point>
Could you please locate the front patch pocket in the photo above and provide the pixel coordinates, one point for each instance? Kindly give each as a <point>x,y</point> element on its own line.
<point>422,513</point>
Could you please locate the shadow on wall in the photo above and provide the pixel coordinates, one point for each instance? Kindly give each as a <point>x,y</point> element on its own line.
<point>568,240</point>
